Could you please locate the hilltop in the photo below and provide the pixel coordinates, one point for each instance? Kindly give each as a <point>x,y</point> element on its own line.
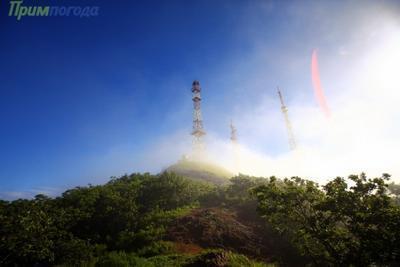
<point>201,170</point>
<point>171,220</point>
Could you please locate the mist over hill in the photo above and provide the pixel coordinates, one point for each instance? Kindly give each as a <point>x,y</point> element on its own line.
<point>201,170</point>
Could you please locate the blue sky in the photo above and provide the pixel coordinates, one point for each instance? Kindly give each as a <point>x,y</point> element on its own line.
<point>86,98</point>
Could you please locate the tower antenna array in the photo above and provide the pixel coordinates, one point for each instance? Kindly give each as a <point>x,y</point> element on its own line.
<point>292,141</point>
<point>233,133</point>
<point>235,148</point>
<point>198,131</point>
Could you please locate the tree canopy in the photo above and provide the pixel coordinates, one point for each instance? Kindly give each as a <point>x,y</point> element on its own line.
<point>154,220</point>
<point>338,224</point>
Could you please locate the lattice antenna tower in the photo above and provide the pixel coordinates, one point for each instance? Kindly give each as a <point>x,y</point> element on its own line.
<point>198,130</point>
<point>233,133</point>
<point>292,140</point>
<point>235,148</point>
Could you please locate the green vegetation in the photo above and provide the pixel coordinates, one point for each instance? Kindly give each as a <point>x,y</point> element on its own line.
<point>394,190</point>
<point>169,220</point>
<point>339,225</point>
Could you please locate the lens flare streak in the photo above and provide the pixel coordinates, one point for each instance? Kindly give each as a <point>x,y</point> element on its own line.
<point>319,93</point>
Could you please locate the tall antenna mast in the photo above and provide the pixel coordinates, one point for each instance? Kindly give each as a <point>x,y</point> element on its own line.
<point>198,131</point>
<point>292,141</point>
<point>235,148</point>
<point>233,133</point>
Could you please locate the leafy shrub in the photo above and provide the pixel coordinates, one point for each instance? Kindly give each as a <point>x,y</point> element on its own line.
<point>122,259</point>
<point>218,257</point>
<point>156,248</point>
<point>172,260</point>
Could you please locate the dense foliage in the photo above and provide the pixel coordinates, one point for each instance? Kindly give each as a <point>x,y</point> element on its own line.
<point>338,225</point>
<point>155,220</point>
<point>128,213</point>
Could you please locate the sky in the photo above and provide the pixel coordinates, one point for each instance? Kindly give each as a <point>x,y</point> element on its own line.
<point>84,99</point>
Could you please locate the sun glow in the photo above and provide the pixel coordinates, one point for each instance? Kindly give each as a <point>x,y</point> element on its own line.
<point>381,64</point>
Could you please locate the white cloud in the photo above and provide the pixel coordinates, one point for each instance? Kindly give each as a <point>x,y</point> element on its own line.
<point>361,82</point>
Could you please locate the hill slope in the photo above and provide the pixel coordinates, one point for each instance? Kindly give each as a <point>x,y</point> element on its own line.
<point>126,222</point>
<point>169,220</point>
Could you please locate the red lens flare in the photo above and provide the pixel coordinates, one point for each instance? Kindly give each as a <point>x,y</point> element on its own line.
<point>319,93</point>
